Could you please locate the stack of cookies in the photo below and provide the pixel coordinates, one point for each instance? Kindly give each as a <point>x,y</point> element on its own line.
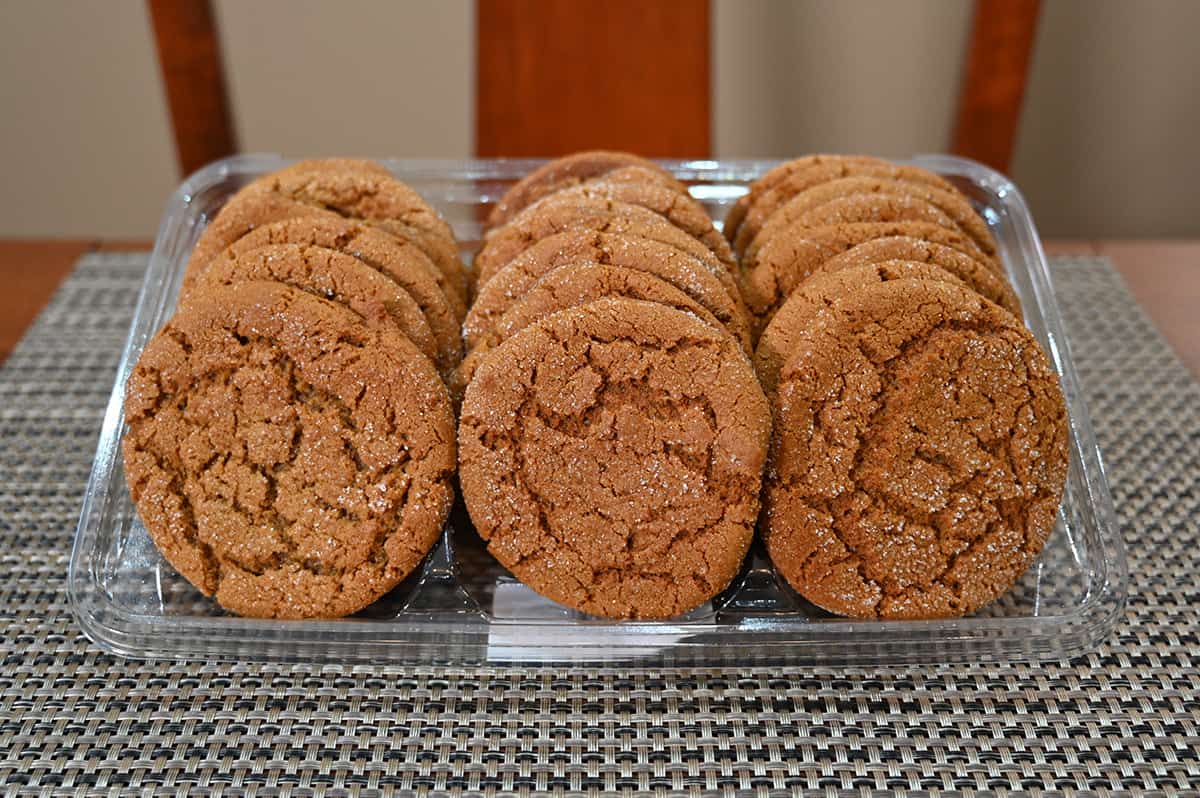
<point>613,432</point>
<point>920,437</point>
<point>291,443</point>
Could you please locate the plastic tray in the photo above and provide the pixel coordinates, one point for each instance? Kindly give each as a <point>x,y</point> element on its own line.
<point>461,607</point>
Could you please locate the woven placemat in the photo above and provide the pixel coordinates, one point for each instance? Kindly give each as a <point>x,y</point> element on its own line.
<point>1125,717</point>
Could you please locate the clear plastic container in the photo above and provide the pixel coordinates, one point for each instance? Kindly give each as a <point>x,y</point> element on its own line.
<point>461,607</point>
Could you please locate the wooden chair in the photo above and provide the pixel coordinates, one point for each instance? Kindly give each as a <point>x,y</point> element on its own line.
<point>553,76</point>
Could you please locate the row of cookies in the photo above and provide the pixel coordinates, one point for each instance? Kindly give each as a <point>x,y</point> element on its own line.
<point>613,432</point>
<point>291,441</point>
<point>919,450</point>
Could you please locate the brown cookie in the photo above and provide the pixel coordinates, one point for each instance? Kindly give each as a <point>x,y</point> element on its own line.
<point>679,209</point>
<point>284,456</point>
<point>331,275</point>
<point>736,216</point>
<point>570,286</point>
<point>549,218</point>
<point>919,456</point>
<point>980,276</point>
<point>566,172</point>
<point>951,203</point>
<point>779,185</point>
<point>856,209</point>
<point>822,294</point>
<point>703,280</point>
<point>788,258</point>
<point>611,456</point>
<point>374,198</point>
<point>394,257</point>
<point>311,165</point>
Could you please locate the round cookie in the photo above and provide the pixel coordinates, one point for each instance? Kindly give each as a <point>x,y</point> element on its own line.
<point>331,275</point>
<point>384,202</point>
<point>787,259</point>
<point>951,203</point>
<point>548,218</point>
<point>310,165</point>
<point>855,209</point>
<point>374,198</point>
<point>821,294</point>
<point>569,171</point>
<point>570,286</point>
<point>679,209</point>
<point>919,456</point>
<point>611,457</point>
<point>979,276</point>
<point>394,257</point>
<point>255,458</point>
<point>826,163</point>
<point>703,280</point>
<point>794,177</point>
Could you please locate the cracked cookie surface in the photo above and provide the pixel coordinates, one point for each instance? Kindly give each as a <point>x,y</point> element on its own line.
<point>568,287</point>
<point>953,204</point>
<point>552,215</point>
<point>980,276</point>
<point>785,261</point>
<point>772,190</point>
<point>331,275</point>
<point>611,456</point>
<point>569,171</point>
<point>373,197</point>
<point>284,456</point>
<point>822,293</point>
<point>919,454</point>
<point>702,279</point>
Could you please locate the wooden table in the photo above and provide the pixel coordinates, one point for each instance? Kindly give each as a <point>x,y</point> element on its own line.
<point>1163,275</point>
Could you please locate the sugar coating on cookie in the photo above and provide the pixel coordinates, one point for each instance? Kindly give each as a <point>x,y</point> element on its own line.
<point>331,275</point>
<point>783,262</point>
<point>856,209</point>
<point>952,203</point>
<point>680,209</point>
<point>821,295</point>
<point>701,278</point>
<point>284,456</point>
<point>611,457</point>
<point>569,171</point>
<point>979,275</point>
<point>919,455</point>
<point>783,183</point>
<point>568,287</point>
<point>397,259</point>
<point>553,215</point>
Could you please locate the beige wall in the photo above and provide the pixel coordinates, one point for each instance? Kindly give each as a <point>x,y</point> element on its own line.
<point>1107,145</point>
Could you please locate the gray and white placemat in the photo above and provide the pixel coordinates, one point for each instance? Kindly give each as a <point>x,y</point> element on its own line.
<point>1125,717</point>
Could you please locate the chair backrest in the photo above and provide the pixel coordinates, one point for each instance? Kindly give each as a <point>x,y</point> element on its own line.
<point>553,76</point>
<point>189,55</point>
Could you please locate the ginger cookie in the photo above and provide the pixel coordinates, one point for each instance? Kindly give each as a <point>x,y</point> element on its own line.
<point>611,457</point>
<point>570,286</point>
<point>788,258</point>
<point>284,456</point>
<point>375,198</point>
<point>952,203</point>
<point>919,456</point>
<point>856,209</point>
<point>703,280</point>
<point>679,209</point>
<point>822,293</point>
<point>549,218</point>
<point>779,185</point>
<point>310,165</point>
<point>331,275</point>
<point>825,163</point>
<point>978,275</point>
<point>393,257</point>
<point>566,172</point>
